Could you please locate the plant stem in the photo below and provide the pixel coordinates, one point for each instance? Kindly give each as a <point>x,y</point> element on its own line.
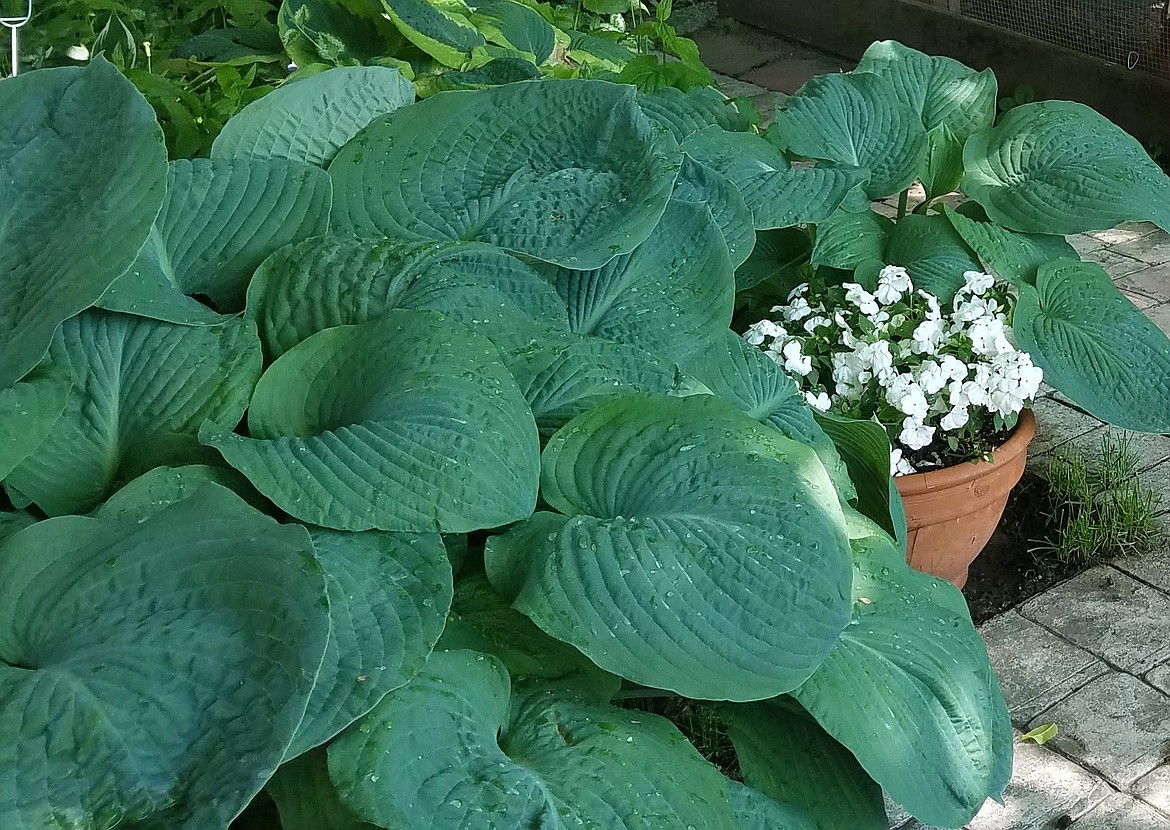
<point>903,198</point>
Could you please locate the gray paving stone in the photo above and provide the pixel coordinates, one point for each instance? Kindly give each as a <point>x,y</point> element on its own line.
<point>1151,282</point>
<point>1109,613</point>
<point>1154,789</point>
<point>1154,566</point>
<point>788,75</point>
<point>1035,667</point>
<point>1117,726</point>
<point>1149,450</point>
<point>1117,265</point>
<point>1045,786</point>
<point>766,103</point>
<point>898,817</point>
<point>1121,812</point>
<point>1057,424</point>
<point>1084,244</point>
<point>1153,248</point>
<point>1160,315</point>
<point>1159,677</point>
<point>734,53</point>
<point>1123,233</point>
<point>1146,304</point>
<point>735,88</point>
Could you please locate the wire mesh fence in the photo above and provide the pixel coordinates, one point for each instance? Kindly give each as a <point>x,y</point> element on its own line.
<point>1130,33</point>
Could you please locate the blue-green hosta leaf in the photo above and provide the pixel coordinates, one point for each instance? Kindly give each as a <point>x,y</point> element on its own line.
<point>305,797</point>
<point>776,259</point>
<point>684,113</point>
<point>28,410</point>
<point>598,53</point>
<point>159,488</point>
<point>335,280</point>
<point>221,218</point>
<point>566,376</point>
<point>944,163</point>
<point>943,92</point>
<point>441,28</point>
<point>846,239</point>
<point>856,121</point>
<point>755,811</point>
<point>456,748</point>
<point>406,423</point>
<point>1007,254</point>
<point>338,32</point>
<point>129,651</point>
<point>515,25</point>
<point>784,753</point>
<point>699,184</point>
<point>309,120</point>
<point>1095,346</point>
<point>141,389</point>
<point>778,194</point>
<point>82,176</point>
<point>864,446</point>
<point>909,691</point>
<point>676,288</point>
<point>495,72</point>
<point>1060,167</point>
<point>567,172</point>
<point>933,253</point>
<point>389,594</point>
<point>751,381</point>
<point>482,620</point>
<point>698,550</point>
<point>14,521</point>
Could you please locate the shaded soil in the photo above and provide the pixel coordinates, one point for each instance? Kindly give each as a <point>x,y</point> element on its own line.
<point>1008,572</point>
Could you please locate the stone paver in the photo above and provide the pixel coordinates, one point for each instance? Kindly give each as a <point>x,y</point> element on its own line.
<point>1117,264</point>
<point>790,75</point>
<point>1150,248</point>
<point>1153,282</point>
<point>737,52</point>
<point>1044,787</point>
<point>1056,425</point>
<point>1159,677</point>
<point>1152,567</point>
<point>1104,611</point>
<point>1121,812</point>
<point>1117,726</point>
<point>1154,789</point>
<point>1035,667</point>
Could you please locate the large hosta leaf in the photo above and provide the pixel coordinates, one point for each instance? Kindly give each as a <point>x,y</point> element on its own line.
<point>568,172</point>
<point>1060,167</point>
<point>775,262</point>
<point>516,26</point>
<point>28,411</point>
<point>856,121</point>
<point>310,120</point>
<point>753,383</point>
<point>755,811</point>
<point>335,280</point>
<point>909,691</point>
<point>864,446</point>
<point>305,797</point>
<point>407,423</point>
<point>698,551</point>
<point>677,287</point>
<point>563,377</point>
<point>684,113</point>
<point>221,218</point>
<point>388,599</point>
<point>944,92</point>
<point>778,194</point>
<point>933,253</point>
<point>699,184</point>
<point>129,652</point>
<point>846,239</point>
<point>784,753</point>
<point>1095,346</point>
<point>456,748</point>
<point>82,176</point>
<point>141,389</point>
<point>441,29</point>
<point>1007,254</point>
<point>338,32</point>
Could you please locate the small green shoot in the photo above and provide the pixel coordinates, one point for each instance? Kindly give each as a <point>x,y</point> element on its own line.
<point>1042,734</point>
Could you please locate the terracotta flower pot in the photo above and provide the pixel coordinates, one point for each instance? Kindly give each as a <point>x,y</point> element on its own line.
<point>952,512</point>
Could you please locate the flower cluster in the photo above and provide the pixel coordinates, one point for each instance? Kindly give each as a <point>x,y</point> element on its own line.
<point>945,384</point>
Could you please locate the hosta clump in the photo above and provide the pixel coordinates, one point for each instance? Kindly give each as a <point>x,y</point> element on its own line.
<point>371,465</point>
<point>947,385</point>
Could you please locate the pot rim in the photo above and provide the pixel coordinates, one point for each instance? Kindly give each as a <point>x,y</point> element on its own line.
<point>964,471</point>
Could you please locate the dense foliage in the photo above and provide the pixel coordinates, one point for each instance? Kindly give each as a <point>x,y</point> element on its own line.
<point>372,460</point>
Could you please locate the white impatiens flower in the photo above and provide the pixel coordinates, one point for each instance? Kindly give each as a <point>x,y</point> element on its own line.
<point>893,283</point>
<point>953,368</point>
<point>957,418</point>
<point>757,333</point>
<point>899,466</point>
<point>988,337</point>
<point>915,433</point>
<point>976,282</point>
<point>799,291</point>
<point>798,309</point>
<point>927,337</point>
<point>931,377</point>
<point>813,323</point>
<point>819,401</point>
<point>904,393</point>
<point>861,298</point>
<point>794,360</point>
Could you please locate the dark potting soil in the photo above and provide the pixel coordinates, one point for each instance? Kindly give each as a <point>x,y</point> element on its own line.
<point>1008,572</point>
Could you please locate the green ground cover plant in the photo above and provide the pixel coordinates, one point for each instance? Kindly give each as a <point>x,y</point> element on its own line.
<point>373,460</point>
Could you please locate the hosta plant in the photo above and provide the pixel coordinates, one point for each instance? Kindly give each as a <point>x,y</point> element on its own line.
<point>388,466</point>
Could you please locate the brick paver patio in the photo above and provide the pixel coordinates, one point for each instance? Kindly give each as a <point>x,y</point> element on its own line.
<point>1091,654</point>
